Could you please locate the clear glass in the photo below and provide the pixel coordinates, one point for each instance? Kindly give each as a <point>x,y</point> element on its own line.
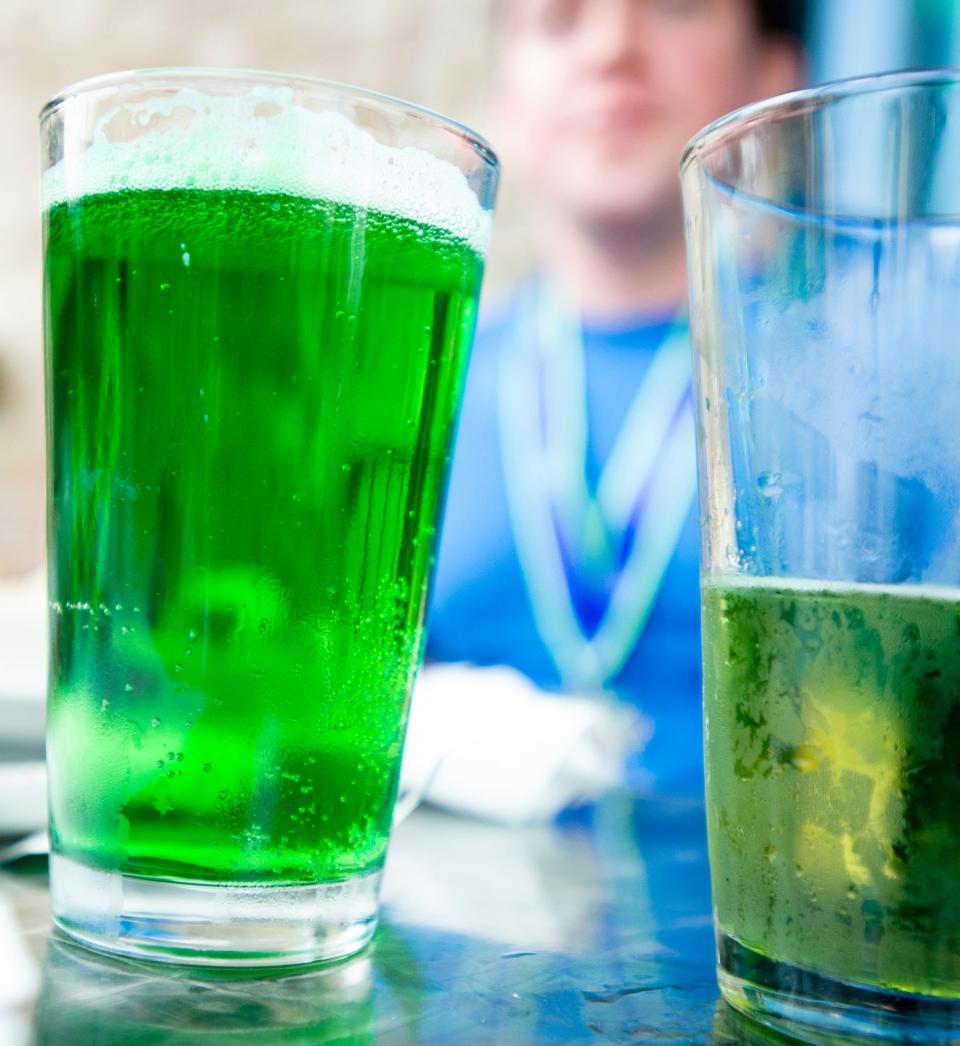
<point>824,244</point>
<point>260,294</point>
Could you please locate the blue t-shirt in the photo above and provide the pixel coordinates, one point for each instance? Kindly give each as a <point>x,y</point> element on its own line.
<point>481,611</point>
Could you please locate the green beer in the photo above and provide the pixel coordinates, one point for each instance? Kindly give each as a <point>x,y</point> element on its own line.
<point>833,747</point>
<point>252,395</point>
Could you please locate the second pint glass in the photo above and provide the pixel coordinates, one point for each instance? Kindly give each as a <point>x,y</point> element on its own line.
<point>824,236</point>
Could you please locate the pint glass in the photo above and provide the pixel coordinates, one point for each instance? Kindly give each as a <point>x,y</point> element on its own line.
<point>260,296</point>
<point>824,240</point>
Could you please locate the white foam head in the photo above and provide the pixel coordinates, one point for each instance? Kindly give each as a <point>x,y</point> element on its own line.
<point>263,142</point>
<point>906,590</point>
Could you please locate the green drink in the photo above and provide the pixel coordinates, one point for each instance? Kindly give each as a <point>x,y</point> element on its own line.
<point>833,741</point>
<point>231,437</point>
<point>253,382</point>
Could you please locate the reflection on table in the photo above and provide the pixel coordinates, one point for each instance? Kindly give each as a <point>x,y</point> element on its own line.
<point>595,929</point>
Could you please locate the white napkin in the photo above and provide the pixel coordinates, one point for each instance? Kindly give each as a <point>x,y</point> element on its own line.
<point>488,743</point>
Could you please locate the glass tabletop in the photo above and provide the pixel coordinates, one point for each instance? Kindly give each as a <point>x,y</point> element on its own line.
<point>594,929</point>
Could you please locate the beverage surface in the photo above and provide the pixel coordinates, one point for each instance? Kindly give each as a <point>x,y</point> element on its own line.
<point>251,402</point>
<point>267,139</point>
<point>833,763</point>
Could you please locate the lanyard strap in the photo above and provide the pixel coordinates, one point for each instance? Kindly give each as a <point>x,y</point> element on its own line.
<point>544,457</point>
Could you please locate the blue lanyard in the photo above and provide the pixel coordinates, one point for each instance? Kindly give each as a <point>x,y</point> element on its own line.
<point>544,434</point>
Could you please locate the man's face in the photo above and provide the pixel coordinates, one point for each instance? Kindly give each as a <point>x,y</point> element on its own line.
<point>599,97</point>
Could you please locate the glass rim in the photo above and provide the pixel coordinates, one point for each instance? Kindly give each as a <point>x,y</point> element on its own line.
<point>185,75</point>
<point>804,100</point>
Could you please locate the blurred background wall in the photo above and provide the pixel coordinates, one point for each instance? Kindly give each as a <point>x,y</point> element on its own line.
<point>435,52</point>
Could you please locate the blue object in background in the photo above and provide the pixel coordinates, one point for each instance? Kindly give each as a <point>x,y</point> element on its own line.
<point>857,37</point>
<point>481,611</point>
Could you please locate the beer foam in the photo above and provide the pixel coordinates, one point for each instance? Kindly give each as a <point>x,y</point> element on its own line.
<point>834,587</point>
<point>262,141</point>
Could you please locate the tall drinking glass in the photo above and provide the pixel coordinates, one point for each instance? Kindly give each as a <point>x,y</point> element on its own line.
<point>260,296</point>
<point>824,240</point>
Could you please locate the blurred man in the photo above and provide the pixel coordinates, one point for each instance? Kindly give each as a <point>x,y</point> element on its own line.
<point>570,548</point>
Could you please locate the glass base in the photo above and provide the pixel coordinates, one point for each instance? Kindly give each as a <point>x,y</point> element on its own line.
<point>213,925</point>
<point>824,1010</point>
